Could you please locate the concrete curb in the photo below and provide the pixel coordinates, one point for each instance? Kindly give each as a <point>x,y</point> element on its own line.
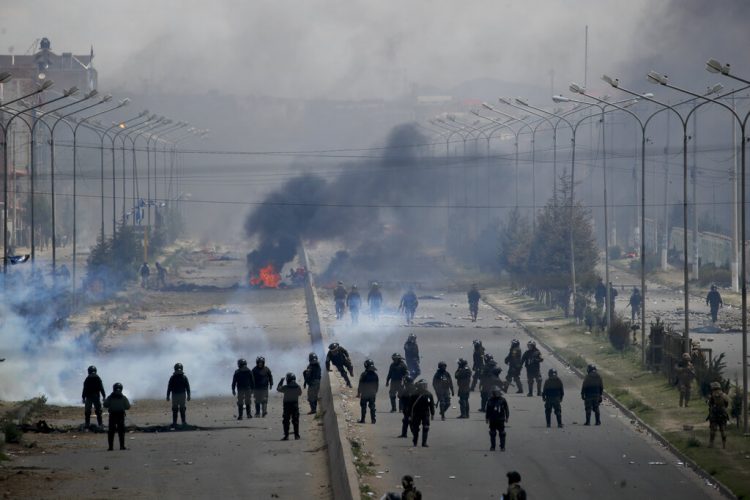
<point>723,489</point>
<point>344,479</point>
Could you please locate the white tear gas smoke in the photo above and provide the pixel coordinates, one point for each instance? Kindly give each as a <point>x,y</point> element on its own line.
<point>56,367</point>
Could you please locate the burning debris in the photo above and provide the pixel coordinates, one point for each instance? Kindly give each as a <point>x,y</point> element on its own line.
<point>267,278</point>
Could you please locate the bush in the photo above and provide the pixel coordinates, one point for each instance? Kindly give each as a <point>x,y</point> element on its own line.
<point>705,373</point>
<point>12,432</point>
<point>615,252</point>
<point>653,263</point>
<point>619,333</point>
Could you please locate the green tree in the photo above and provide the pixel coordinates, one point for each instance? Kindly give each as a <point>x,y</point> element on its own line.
<point>515,245</point>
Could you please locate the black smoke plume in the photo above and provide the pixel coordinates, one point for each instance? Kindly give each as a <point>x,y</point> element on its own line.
<point>377,209</point>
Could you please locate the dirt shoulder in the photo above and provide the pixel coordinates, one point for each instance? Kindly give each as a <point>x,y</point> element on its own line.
<point>648,395</point>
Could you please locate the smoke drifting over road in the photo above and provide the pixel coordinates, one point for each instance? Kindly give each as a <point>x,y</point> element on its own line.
<point>56,365</point>
<point>372,208</point>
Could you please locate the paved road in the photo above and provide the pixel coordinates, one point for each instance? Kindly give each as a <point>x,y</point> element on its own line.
<point>611,461</point>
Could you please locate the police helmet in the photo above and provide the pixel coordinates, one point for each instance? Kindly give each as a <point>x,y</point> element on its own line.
<point>375,284</point>
<point>513,477</point>
<point>477,343</point>
<point>408,380</point>
<point>395,356</point>
<point>369,363</point>
<point>590,368</point>
<point>332,346</point>
<point>421,383</point>
<point>713,287</point>
<point>530,344</point>
<point>715,386</point>
<point>496,391</point>
<point>290,377</point>
<point>313,358</point>
<point>241,362</point>
<point>497,371</point>
<point>339,282</point>
<point>515,342</point>
<point>411,338</point>
<point>407,481</point>
<point>552,372</point>
<point>260,360</point>
<point>92,370</point>
<point>488,357</point>
<point>178,367</point>
<point>462,362</point>
<point>442,365</point>
<point>117,387</point>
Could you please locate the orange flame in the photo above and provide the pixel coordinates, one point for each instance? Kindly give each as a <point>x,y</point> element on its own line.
<point>267,278</point>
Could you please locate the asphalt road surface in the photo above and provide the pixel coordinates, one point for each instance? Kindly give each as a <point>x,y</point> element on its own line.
<point>614,460</point>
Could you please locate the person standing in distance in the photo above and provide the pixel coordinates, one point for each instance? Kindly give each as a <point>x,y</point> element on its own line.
<point>92,388</point>
<point>117,404</point>
<point>263,382</point>
<point>367,390</point>
<point>242,387</point>
<point>312,376</point>
<point>179,390</point>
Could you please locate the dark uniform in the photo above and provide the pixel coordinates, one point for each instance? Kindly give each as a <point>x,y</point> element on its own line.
<point>478,362</point>
<point>242,387</point>
<point>713,299</point>
<point>473,297</point>
<point>463,381</point>
<point>395,379</point>
<point>422,411</point>
<point>117,404</point>
<point>600,294</point>
<point>612,296</point>
<point>591,393</point>
<point>497,416</point>
<point>411,355</point>
<point>145,273</point>
<point>263,382</point>
<point>339,298</point>
<point>291,391</point>
<point>354,302</point>
<point>718,402</point>
<point>410,491</point>
<point>92,389</point>
<point>487,380</point>
<point>340,359</point>
<point>513,360</point>
<point>312,376</point>
<point>375,301</point>
<point>552,395</point>
<point>531,359</point>
<point>515,491</point>
<point>443,385</point>
<point>685,376</point>
<point>161,275</point>
<point>178,389</point>
<point>406,399</point>
<point>409,305</point>
<point>367,390</point>
<point>635,304</point>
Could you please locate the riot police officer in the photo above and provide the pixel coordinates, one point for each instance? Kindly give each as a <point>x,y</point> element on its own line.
<point>339,299</point>
<point>312,376</point>
<point>487,380</point>
<point>513,360</point>
<point>411,355</point>
<point>422,411</point>
<point>552,395</point>
<point>496,416</point>
<point>291,391</point>
<point>92,388</point>
<point>396,373</point>
<point>117,404</point>
<point>473,297</point>
<point>367,390</point>
<point>179,390</point>
<point>242,387</point>
<point>443,385</point>
<point>532,359</point>
<point>463,381</point>
<point>406,398</point>
<point>263,382</point>
<point>340,359</point>
<point>478,362</point>
<point>591,393</point>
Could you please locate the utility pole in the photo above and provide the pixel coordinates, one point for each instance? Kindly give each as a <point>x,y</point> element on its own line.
<point>694,175</point>
<point>665,236</point>
<point>735,205</point>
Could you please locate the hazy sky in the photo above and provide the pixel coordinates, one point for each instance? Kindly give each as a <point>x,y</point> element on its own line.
<point>370,48</point>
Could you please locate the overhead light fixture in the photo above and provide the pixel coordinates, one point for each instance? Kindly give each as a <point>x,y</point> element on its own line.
<point>615,82</point>
<point>658,78</point>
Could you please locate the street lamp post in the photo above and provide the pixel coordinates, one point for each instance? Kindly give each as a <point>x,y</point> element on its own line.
<point>123,126</point>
